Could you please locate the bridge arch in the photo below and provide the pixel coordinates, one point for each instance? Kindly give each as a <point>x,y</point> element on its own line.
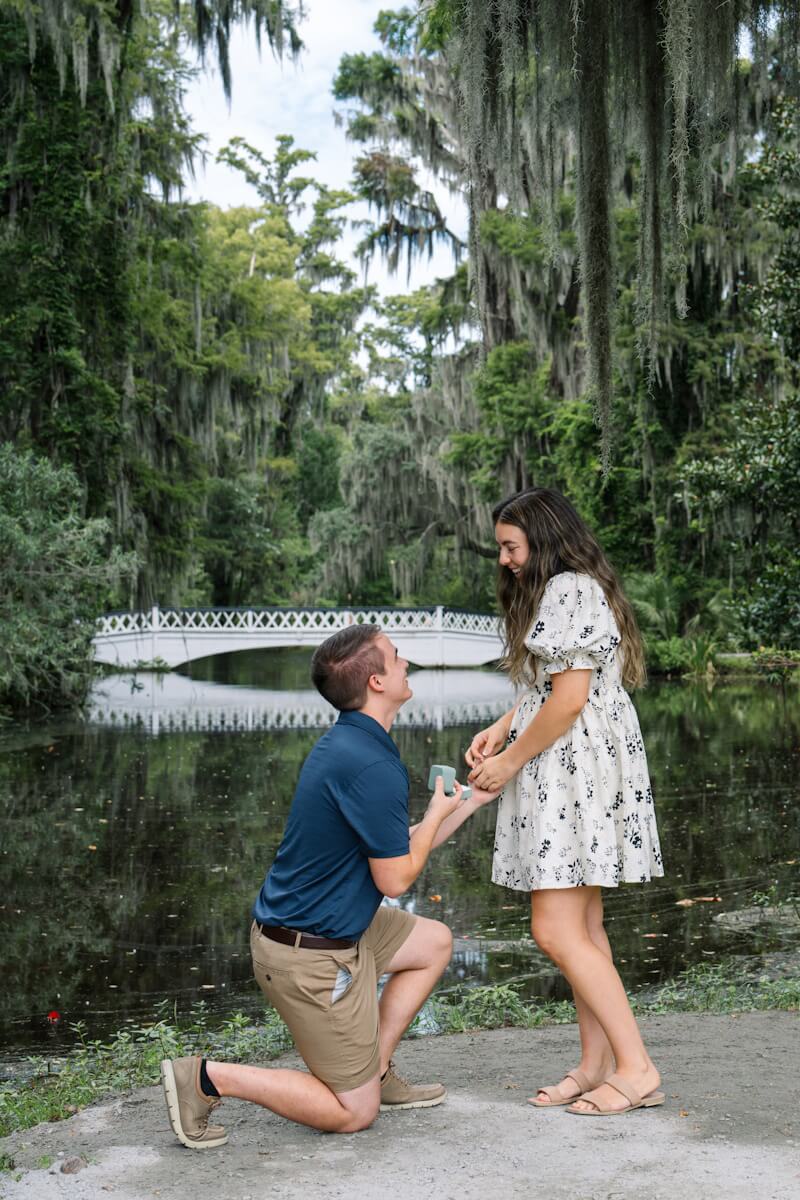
<point>427,637</point>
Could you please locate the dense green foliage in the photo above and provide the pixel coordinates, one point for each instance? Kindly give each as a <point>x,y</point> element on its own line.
<point>54,570</point>
<point>549,89</point>
<point>253,427</point>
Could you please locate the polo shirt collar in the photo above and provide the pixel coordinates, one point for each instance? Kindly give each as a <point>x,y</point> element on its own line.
<point>369,725</point>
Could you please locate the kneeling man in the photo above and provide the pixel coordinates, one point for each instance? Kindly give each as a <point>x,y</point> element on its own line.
<point>321,938</point>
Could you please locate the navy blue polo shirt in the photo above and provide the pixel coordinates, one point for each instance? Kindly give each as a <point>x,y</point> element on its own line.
<point>351,804</point>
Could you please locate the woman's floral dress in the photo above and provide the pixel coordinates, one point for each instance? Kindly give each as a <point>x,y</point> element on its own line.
<point>581,812</point>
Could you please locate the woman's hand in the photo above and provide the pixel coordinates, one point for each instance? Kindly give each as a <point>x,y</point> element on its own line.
<point>493,773</point>
<point>488,741</point>
<point>480,797</point>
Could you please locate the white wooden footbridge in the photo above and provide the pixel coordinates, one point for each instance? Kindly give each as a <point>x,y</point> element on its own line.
<point>427,637</point>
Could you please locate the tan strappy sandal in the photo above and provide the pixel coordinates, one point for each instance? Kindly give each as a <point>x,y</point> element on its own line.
<point>651,1100</point>
<point>557,1097</point>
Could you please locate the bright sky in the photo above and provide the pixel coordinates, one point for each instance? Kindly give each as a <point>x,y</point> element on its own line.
<point>271,98</point>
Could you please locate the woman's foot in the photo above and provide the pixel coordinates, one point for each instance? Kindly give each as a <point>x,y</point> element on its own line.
<point>644,1082</point>
<point>569,1088</point>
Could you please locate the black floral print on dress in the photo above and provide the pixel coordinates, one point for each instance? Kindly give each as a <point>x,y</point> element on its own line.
<point>596,772</point>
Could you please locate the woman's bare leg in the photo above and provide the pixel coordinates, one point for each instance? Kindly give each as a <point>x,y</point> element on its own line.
<point>560,926</point>
<point>597,1058</point>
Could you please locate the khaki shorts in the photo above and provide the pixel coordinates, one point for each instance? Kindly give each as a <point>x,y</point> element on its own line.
<point>329,998</point>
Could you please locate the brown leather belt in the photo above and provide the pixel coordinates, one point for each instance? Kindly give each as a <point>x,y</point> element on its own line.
<point>308,941</point>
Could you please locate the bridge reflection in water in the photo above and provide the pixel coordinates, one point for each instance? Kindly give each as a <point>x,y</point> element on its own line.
<point>170,703</point>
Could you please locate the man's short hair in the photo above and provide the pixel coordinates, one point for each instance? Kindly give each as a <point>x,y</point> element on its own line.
<point>342,665</point>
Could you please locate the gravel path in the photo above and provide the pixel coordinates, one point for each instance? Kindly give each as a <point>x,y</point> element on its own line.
<point>730,1130</point>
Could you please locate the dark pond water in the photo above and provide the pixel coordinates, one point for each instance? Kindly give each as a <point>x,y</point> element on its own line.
<point>134,842</point>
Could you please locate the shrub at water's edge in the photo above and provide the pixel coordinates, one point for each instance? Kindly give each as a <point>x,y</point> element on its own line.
<point>55,573</point>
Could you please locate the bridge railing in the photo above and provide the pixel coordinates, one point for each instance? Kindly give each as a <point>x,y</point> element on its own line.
<point>226,718</point>
<point>162,620</point>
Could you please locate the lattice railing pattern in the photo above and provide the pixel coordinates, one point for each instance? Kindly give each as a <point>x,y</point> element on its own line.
<point>323,620</point>
<point>243,718</point>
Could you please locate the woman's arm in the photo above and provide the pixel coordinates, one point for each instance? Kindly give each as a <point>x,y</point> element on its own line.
<point>570,691</point>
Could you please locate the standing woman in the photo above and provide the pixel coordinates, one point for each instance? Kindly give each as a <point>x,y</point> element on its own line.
<point>576,813</point>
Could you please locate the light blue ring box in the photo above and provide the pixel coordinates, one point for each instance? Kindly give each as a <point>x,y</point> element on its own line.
<point>449,776</point>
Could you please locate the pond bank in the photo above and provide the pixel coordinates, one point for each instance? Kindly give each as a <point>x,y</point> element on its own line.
<point>53,1087</point>
<point>725,1130</point>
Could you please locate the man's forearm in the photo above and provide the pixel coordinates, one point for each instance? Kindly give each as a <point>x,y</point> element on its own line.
<point>423,837</point>
<point>450,824</point>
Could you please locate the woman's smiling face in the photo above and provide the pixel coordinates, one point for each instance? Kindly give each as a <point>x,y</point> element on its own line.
<point>514,546</point>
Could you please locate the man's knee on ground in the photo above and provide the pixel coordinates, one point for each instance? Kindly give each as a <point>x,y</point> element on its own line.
<point>361,1117</point>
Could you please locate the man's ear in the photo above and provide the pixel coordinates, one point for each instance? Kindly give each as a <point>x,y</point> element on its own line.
<point>375,683</point>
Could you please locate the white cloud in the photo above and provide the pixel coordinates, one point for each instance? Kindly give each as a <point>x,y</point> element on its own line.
<point>271,98</point>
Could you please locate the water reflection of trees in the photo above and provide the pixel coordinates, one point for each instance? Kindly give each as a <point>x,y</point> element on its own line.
<point>185,825</point>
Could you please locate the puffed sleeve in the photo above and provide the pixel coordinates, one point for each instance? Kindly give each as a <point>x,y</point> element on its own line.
<point>574,628</point>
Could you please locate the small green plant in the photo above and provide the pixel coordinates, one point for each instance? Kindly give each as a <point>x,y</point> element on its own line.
<point>720,988</point>
<point>766,899</point>
<point>691,657</point>
<point>494,1007</point>
<point>771,898</point>
<point>776,665</point>
<point>666,655</point>
<point>699,653</point>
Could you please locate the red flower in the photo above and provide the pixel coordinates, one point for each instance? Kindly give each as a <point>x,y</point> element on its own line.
<point>54,1017</point>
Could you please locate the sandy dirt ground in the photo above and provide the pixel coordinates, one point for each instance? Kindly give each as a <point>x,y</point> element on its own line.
<point>730,1129</point>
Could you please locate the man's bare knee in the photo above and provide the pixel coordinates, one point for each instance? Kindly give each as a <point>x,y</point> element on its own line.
<point>362,1119</point>
<point>443,940</point>
<point>361,1106</point>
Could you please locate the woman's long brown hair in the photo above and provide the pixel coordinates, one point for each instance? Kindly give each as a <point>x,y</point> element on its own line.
<point>559,540</point>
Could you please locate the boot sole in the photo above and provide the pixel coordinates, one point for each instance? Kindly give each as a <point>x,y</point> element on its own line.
<point>174,1113</point>
<point>414,1104</point>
